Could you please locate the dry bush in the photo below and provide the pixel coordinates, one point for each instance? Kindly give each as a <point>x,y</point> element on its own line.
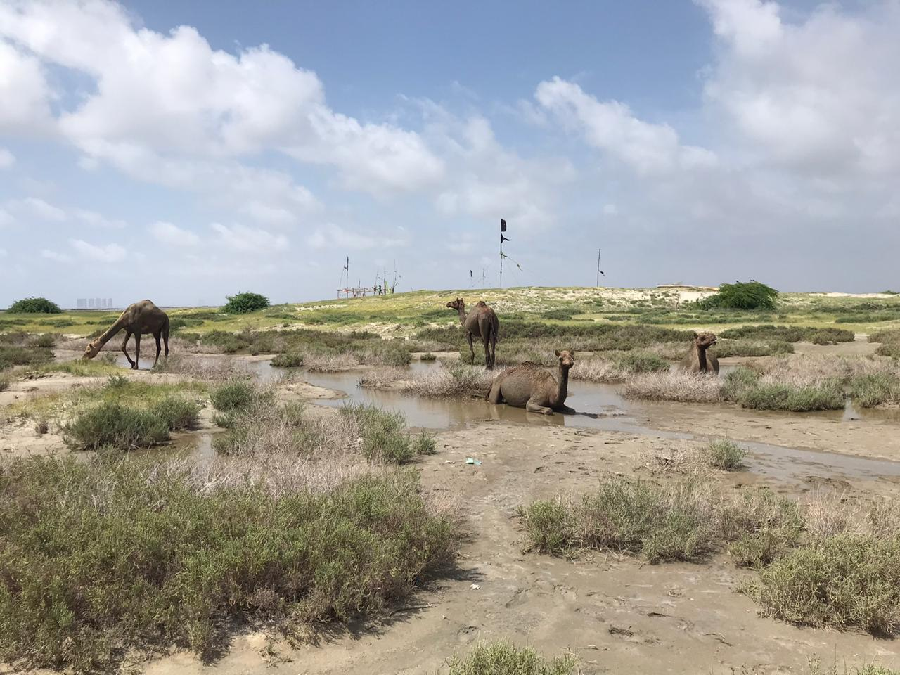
<point>207,368</point>
<point>449,380</point>
<point>674,386</point>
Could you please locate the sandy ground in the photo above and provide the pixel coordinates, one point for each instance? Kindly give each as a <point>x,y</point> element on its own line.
<point>615,613</point>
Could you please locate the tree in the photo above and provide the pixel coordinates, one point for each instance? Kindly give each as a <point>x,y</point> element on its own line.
<point>34,306</point>
<point>742,295</point>
<point>244,303</point>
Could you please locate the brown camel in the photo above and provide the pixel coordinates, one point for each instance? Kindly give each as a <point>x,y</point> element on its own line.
<point>698,360</point>
<point>482,323</point>
<point>531,387</point>
<point>141,318</point>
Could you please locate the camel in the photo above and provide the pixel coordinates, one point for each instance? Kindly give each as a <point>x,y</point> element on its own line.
<point>531,387</point>
<point>482,323</point>
<point>697,360</point>
<point>141,318</point>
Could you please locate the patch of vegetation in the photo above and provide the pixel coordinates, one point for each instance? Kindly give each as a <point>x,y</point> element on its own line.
<point>234,396</point>
<point>244,303</point>
<point>557,315</point>
<point>112,425</point>
<point>820,336</point>
<point>890,342</point>
<point>875,389</point>
<point>384,435</point>
<point>681,521</point>
<point>178,413</point>
<point>288,360</point>
<point>34,306</point>
<point>21,349</point>
<point>747,388</point>
<point>742,295</point>
<point>503,658</point>
<point>729,348</point>
<point>840,582</point>
<point>642,362</point>
<point>126,554</point>
<point>724,454</point>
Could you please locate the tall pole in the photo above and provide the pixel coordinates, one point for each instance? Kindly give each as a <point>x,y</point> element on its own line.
<point>598,268</point>
<point>502,239</point>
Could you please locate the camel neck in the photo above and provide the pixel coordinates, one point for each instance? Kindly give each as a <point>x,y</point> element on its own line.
<point>112,330</point>
<point>701,357</point>
<point>563,391</point>
<point>462,314</point>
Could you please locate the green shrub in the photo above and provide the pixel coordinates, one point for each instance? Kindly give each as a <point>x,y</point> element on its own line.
<point>762,527</point>
<point>178,413</point>
<point>34,306</point>
<point>428,357</point>
<point>5,381</point>
<point>17,355</point>
<point>288,360</point>
<point>557,315</point>
<point>122,555</point>
<point>116,426</point>
<point>821,336</point>
<point>244,303</point>
<point>742,295</point>
<point>725,454</point>
<point>744,386</point>
<point>384,434</point>
<point>727,348</point>
<point>502,658</point>
<point>642,362</point>
<point>840,582</point>
<point>234,396</point>
<point>875,389</point>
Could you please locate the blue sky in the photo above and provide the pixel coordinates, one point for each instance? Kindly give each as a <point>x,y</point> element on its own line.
<point>160,150</point>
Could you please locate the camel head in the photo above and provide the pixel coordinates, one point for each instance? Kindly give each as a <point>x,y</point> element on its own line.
<point>704,340</point>
<point>91,350</point>
<point>566,358</point>
<point>457,304</point>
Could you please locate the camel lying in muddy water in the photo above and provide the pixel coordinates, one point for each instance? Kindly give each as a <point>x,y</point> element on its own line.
<point>531,387</point>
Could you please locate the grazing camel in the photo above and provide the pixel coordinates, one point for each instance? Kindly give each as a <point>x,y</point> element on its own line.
<point>482,323</point>
<point>139,319</point>
<point>531,387</point>
<point>698,360</point>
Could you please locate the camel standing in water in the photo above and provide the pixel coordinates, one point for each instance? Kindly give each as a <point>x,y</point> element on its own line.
<point>141,318</point>
<point>482,323</point>
<point>697,360</point>
<point>531,387</point>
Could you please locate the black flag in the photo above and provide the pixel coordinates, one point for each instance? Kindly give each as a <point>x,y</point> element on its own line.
<point>502,238</point>
<point>470,274</point>
<point>347,266</point>
<point>502,225</point>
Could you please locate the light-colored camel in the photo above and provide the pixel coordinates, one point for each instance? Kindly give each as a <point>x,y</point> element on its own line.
<point>141,318</point>
<point>531,387</point>
<point>698,360</point>
<point>482,323</point>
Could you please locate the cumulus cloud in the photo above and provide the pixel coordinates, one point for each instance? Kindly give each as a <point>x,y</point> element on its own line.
<point>95,219</point>
<point>32,207</point>
<point>24,91</point>
<point>55,256</point>
<point>168,233</point>
<point>7,159</point>
<point>610,126</point>
<point>173,95</point>
<point>334,236</point>
<point>250,240</point>
<point>109,253</point>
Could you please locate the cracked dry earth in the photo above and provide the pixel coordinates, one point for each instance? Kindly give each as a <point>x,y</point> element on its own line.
<point>617,614</point>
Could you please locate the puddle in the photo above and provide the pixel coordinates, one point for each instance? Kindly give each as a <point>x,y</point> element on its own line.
<point>601,407</point>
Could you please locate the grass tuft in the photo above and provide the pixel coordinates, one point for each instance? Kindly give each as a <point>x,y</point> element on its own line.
<point>503,658</point>
<point>115,426</point>
<point>724,454</point>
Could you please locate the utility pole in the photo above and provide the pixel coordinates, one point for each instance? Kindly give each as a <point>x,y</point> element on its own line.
<point>502,239</point>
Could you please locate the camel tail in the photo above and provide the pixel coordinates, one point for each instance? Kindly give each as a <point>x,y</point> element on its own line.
<point>165,330</point>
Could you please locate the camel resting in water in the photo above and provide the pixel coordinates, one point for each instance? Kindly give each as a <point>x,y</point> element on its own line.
<point>531,387</point>
<point>482,323</point>
<point>141,318</point>
<point>698,360</point>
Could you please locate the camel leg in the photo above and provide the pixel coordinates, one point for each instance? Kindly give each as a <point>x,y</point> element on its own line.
<point>494,394</point>
<point>566,410</point>
<point>471,348</point>
<point>165,337</point>
<point>488,363</point>
<point>137,350</point>
<point>531,406</point>
<point>158,349</point>
<point>125,349</point>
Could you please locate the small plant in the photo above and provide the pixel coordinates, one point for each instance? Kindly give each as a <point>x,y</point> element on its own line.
<point>842,582</point>
<point>642,362</point>
<point>503,658</point>
<point>383,433</point>
<point>424,444</point>
<point>725,454</point>
<point>178,413</point>
<point>428,357</point>
<point>244,303</point>
<point>288,360</point>
<point>41,427</point>
<point>117,426</point>
<point>34,306</point>
<point>234,396</point>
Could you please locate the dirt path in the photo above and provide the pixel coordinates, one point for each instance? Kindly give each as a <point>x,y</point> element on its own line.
<point>615,614</point>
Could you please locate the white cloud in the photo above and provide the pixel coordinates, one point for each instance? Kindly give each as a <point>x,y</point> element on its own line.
<point>168,233</point>
<point>23,90</point>
<point>174,95</point>
<point>611,127</point>
<point>250,240</point>
<point>109,253</point>
<point>334,236</point>
<point>6,218</point>
<point>610,210</point>
<point>95,219</point>
<point>820,96</point>
<point>3,253</point>
<point>32,207</point>
<point>7,159</point>
<point>57,257</point>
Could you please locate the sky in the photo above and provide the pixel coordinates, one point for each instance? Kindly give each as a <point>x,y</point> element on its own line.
<point>183,152</point>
